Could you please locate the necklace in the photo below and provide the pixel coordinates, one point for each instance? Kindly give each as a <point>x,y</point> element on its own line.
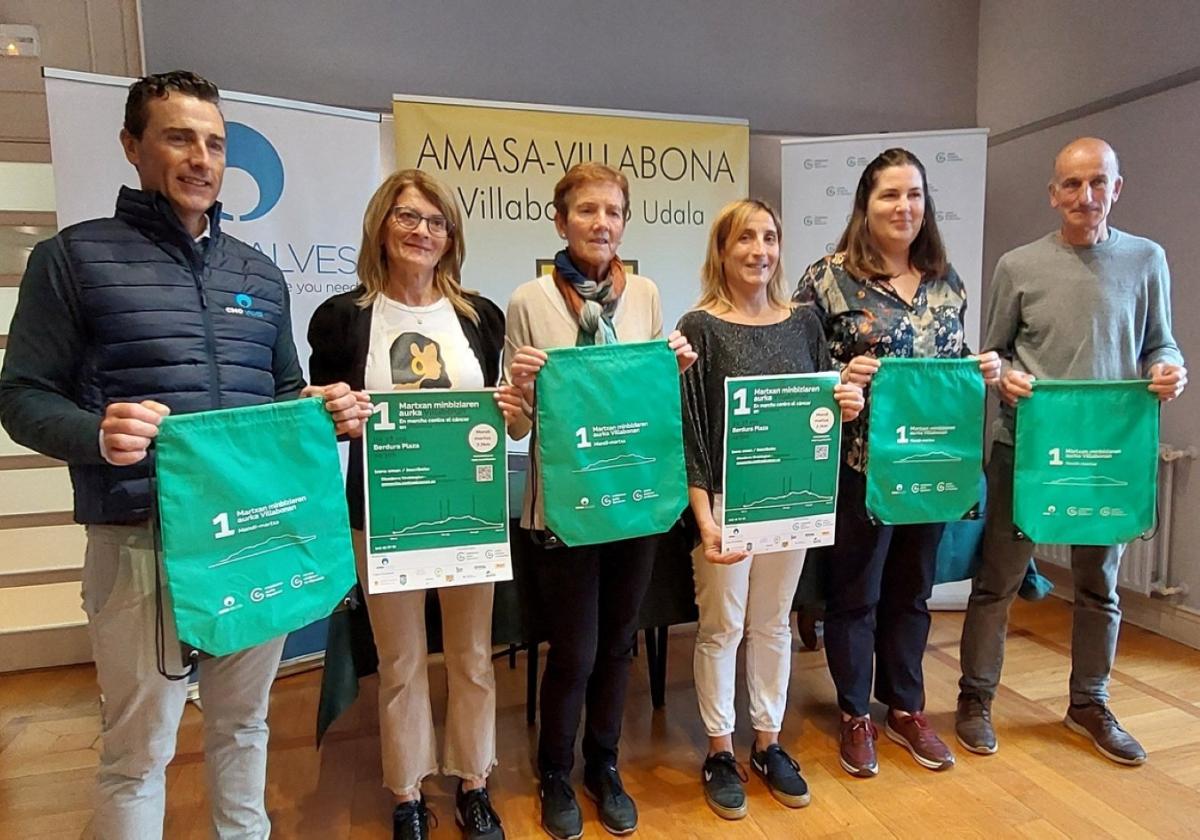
<point>417,313</point>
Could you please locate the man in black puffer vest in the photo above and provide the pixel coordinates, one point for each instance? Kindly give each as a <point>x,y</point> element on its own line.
<point>119,322</point>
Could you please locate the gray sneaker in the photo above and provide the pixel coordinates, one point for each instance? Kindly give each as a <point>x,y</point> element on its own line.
<point>1095,721</point>
<point>973,724</point>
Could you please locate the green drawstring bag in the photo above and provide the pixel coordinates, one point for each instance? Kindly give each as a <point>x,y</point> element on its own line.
<point>610,442</point>
<point>924,440</point>
<point>255,533</point>
<point>1085,469</point>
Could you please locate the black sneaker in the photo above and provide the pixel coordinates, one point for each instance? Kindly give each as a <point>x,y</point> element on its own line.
<point>410,821</point>
<point>618,813</point>
<point>561,817</point>
<point>723,790</point>
<point>782,775</point>
<point>474,814</point>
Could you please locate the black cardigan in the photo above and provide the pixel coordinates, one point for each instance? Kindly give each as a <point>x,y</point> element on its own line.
<point>340,336</point>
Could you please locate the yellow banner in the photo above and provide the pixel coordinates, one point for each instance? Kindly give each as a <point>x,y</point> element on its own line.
<point>502,163</point>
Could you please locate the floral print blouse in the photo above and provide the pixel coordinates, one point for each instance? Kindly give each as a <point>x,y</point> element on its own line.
<point>868,318</point>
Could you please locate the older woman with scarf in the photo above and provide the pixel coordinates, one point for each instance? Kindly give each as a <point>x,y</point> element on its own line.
<point>591,595</point>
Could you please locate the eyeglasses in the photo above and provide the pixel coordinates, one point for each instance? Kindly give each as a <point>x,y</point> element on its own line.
<point>409,219</point>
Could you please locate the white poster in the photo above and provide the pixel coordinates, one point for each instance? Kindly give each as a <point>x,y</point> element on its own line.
<point>783,436</point>
<point>818,177</point>
<point>297,180</point>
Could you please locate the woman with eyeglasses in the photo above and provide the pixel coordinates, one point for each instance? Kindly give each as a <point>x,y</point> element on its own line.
<point>409,325</point>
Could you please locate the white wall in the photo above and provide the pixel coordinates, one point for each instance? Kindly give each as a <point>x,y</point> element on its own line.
<point>1038,60</point>
<point>791,66</point>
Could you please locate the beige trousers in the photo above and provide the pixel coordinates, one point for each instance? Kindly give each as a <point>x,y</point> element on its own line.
<point>406,728</point>
<point>140,712</point>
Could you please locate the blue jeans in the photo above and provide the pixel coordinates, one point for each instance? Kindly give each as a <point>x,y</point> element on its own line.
<point>1097,613</point>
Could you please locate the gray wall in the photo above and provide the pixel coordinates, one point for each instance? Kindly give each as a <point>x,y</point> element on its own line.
<point>1039,61</point>
<point>790,66</point>
<point>1038,58</point>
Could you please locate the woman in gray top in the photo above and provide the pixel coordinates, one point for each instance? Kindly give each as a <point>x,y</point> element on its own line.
<point>743,325</point>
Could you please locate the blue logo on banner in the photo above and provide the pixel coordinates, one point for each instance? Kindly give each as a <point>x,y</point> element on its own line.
<point>253,153</point>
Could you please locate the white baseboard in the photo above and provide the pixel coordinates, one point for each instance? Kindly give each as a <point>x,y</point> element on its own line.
<point>44,647</point>
<point>1165,618</point>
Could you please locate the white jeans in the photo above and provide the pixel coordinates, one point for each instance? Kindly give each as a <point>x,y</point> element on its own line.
<point>751,598</point>
<point>141,709</point>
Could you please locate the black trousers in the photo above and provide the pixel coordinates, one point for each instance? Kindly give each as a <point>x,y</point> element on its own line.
<point>590,598</point>
<point>879,579</point>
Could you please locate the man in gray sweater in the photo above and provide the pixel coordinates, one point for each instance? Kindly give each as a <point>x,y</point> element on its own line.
<point>1085,302</point>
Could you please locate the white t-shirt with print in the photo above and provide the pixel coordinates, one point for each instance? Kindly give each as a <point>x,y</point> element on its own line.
<point>419,347</point>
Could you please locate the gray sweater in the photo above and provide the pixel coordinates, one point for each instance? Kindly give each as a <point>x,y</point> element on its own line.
<point>1058,311</point>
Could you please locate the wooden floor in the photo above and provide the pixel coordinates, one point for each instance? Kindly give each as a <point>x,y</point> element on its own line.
<point>1044,782</point>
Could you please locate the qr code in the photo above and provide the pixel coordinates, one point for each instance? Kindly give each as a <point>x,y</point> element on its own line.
<point>821,452</point>
<point>483,472</point>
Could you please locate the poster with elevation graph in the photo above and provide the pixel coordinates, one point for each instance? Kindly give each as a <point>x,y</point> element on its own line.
<point>436,491</point>
<point>782,448</point>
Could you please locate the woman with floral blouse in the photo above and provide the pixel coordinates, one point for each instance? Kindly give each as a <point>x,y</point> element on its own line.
<point>888,290</point>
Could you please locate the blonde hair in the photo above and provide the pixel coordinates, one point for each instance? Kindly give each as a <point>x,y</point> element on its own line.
<point>586,173</point>
<point>372,256</point>
<point>726,228</point>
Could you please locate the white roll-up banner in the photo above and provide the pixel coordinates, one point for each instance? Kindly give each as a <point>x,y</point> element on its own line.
<point>818,177</point>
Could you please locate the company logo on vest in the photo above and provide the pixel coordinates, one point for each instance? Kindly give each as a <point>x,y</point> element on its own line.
<point>251,152</point>
<point>244,303</point>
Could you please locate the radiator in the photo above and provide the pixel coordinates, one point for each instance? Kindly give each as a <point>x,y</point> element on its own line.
<point>1145,563</point>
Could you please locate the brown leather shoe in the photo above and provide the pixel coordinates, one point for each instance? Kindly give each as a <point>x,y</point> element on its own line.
<point>857,750</point>
<point>914,733</point>
<point>1098,723</point>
